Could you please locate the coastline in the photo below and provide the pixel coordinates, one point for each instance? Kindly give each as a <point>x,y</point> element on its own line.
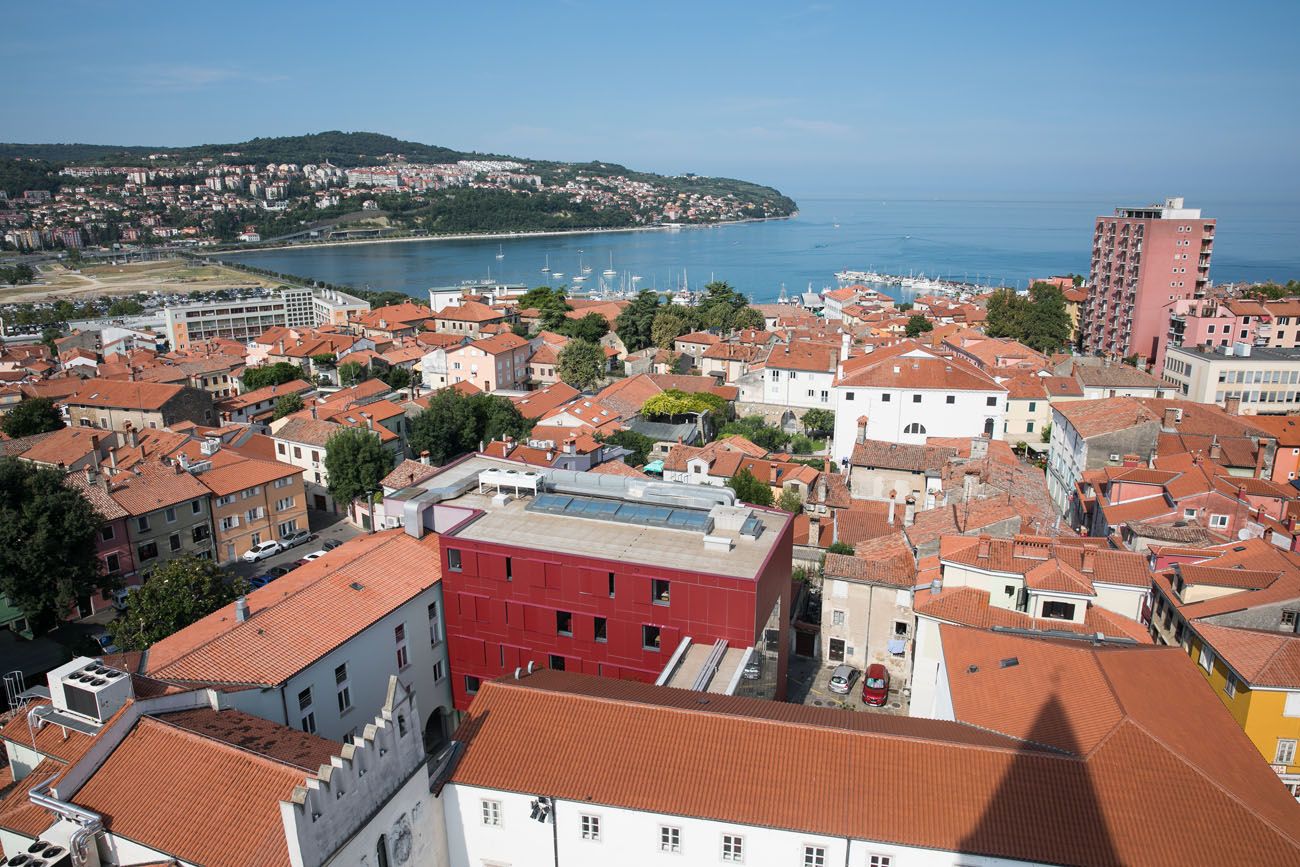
<point>490,236</point>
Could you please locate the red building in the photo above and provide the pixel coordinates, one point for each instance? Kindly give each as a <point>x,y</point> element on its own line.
<point>1144,260</point>
<point>604,575</point>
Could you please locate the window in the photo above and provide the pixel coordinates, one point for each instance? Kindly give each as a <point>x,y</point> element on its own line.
<point>196,507</point>
<point>880,861</point>
<point>1289,620</point>
<point>471,684</point>
<point>1029,427</point>
<point>147,551</point>
<point>170,514</point>
<point>659,592</point>
<point>952,398</point>
<point>112,563</point>
<point>591,827</point>
<point>199,532</point>
<point>916,398</point>
<point>990,401</point>
<point>143,523</point>
<point>106,532</point>
<point>611,585</point>
<point>435,625</point>
<point>914,428</point>
<point>226,500</point>
<point>733,848</point>
<point>1059,610</point>
<point>174,541</point>
<point>453,559</point>
<point>297,452</point>
<point>837,618</point>
<point>279,447</point>
<point>1230,685</point>
<point>650,637</point>
<point>1009,589</point>
<point>344,689</point>
<point>491,813</point>
<point>381,851</point>
<point>315,456</point>
<point>399,638</point>
<point>1189,514</point>
<point>884,398</point>
<point>1207,658</point>
<point>283,483</point>
<point>814,856</point>
<point>510,573</point>
<point>602,629</point>
<point>564,623</point>
<point>670,839</point>
<point>1285,754</point>
<point>1219,521</point>
<point>1033,405</point>
<point>284,505</point>
<point>308,720</point>
<point>437,672</point>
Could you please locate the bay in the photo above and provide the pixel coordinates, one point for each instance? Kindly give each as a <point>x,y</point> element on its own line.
<point>997,242</point>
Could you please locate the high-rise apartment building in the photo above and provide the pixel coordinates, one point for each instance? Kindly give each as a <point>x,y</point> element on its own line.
<point>1144,260</point>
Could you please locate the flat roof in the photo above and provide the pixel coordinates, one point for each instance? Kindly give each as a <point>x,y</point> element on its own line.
<point>1257,353</point>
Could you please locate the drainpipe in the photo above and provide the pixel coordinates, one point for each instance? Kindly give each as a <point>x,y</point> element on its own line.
<point>90,824</point>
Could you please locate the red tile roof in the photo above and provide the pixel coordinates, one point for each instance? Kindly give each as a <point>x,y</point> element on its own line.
<point>127,395</point>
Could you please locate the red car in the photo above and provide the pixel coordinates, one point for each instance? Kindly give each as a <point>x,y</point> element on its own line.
<point>875,686</point>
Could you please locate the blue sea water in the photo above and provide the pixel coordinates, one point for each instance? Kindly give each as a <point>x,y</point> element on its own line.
<point>998,242</point>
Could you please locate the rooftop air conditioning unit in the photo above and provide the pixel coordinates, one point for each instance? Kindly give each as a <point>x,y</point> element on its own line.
<point>85,688</point>
<point>210,446</point>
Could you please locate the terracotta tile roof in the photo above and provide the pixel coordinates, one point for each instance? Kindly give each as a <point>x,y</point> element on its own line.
<point>1062,386</point>
<point>408,473</point>
<point>536,404</point>
<point>17,812</point>
<point>1214,575</point>
<point>284,744</point>
<point>166,788</point>
<point>618,468</point>
<point>918,368</point>
<point>150,486</point>
<point>469,311</point>
<point>867,519</point>
<point>881,560</point>
<point>1284,428</point>
<point>803,355</point>
<point>270,392</point>
<point>1117,376</point>
<point>700,337</point>
<point>1095,417</point>
<point>1263,659</point>
<point>231,473</point>
<point>128,395</point>
<point>293,621</point>
<point>598,740</point>
<point>497,344</point>
<point>65,446</point>
<point>95,492</point>
<point>545,354</point>
<point>395,314</point>
<point>970,606</point>
<point>1053,575</point>
<point>832,490</point>
<point>900,456</point>
<point>309,431</point>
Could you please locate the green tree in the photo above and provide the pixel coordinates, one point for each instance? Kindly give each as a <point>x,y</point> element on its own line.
<point>581,364</point>
<point>634,324</point>
<point>668,325</point>
<point>756,429</point>
<point>356,461</point>
<point>352,372</point>
<point>1003,312</point>
<point>32,416</point>
<point>456,423</point>
<point>819,421</point>
<point>125,307</point>
<point>917,325</point>
<point>286,404</point>
<point>270,374</point>
<point>48,533</point>
<point>675,402</point>
<point>324,359</point>
<point>591,327</point>
<point>790,501</point>
<point>1046,434</point>
<point>540,297</point>
<point>748,317</point>
<point>397,377</point>
<point>638,444</point>
<point>749,489</point>
<point>840,548</point>
<point>179,592</point>
<point>1045,323</point>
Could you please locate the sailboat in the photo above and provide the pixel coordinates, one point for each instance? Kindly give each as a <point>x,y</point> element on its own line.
<point>546,269</point>
<point>610,272</point>
<point>557,275</point>
<point>586,269</point>
<point>501,251</point>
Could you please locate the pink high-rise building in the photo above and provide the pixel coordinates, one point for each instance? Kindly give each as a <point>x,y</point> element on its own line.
<point>1144,260</point>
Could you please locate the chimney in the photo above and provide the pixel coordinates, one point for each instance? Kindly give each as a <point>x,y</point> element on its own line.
<point>845,345</point>
<point>550,455</point>
<point>862,429</point>
<point>1088,554</point>
<point>90,474</point>
<point>424,457</point>
<point>935,586</point>
<point>1171,418</point>
<point>313,412</point>
<point>571,446</point>
<point>241,609</point>
<point>983,552</point>
<point>892,495</point>
<point>968,485</point>
<point>909,510</point>
<point>1216,450</point>
<point>1232,405</point>
<point>112,458</point>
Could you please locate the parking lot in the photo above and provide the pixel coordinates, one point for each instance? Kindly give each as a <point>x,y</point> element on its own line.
<point>809,683</point>
<point>324,526</point>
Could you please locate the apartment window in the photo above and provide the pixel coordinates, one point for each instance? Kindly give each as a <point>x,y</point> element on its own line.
<point>279,447</point>
<point>308,720</point>
<point>510,572</point>
<point>914,428</point>
<point>990,401</point>
<point>814,856</point>
<point>670,839</point>
<point>284,505</point>
<point>1189,514</point>
<point>837,618</point>
<point>880,861</point>
<point>1059,610</point>
<point>564,622</point>
<point>287,527</point>
<point>1219,521</point>
<point>147,551</point>
<point>1230,685</point>
<point>170,514</point>
<point>602,629</point>
<point>297,452</point>
<point>315,456</point>
<point>112,562</point>
<point>106,532</point>
<point>1029,427</point>
<point>255,514</point>
<point>199,532</point>
<point>438,672</point>
<point>1289,619</point>
<point>848,395</point>
<point>453,559</point>
<point>659,592</point>
<point>885,398</point>
<point>399,638</point>
<point>435,625</point>
<point>343,687</point>
<point>143,523</point>
<point>471,684</point>
<point>283,483</point>
<point>733,848</point>
<point>1033,405</point>
<point>196,507</point>
<point>1285,754</point>
<point>916,398</point>
<point>825,396</point>
<point>650,637</point>
<point>491,813</point>
<point>591,827</point>
<point>226,500</point>
<point>174,541</point>
<point>950,398</point>
<point>611,585</point>
<point>1206,658</point>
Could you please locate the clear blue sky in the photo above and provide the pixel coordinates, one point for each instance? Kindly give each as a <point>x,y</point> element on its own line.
<point>970,98</point>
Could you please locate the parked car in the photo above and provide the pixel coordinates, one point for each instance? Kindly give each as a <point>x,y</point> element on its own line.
<point>875,689</point>
<point>105,642</point>
<point>843,678</point>
<point>277,571</point>
<point>330,544</point>
<point>294,538</point>
<point>753,669</point>
<point>261,580</point>
<point>315,555</point>
<point>122,594</point>
<point>296,563</point>
<point>262,550</point>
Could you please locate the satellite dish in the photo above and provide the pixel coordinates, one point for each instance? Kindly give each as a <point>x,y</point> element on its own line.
<point>1243,534</point>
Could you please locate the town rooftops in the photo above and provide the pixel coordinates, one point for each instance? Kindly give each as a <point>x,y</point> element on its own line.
<point>149,486</point>
<point>1106,415</point>
<point>880,454</point>
<point>1118,376</point>
<point>294,621</point>
<point>1029,795</point>
<point>119,394</point>
<point>270,392</point>
<point>469,311</point>
<point>309,431</point>
<point>911,366</point>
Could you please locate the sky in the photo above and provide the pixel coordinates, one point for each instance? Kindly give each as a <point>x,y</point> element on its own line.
<point>996,98</point>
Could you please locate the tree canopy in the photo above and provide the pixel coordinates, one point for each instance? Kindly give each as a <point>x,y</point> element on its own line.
<point>178,593</point>
<point>286,404</point>
<point>33,416</point>
<point>270,374</point>
<point>819,421</point>
<point>48,532</point>
<point>634,325</point>
<point>581,364</point>
<point>356,461</point>
<point>1040,321</point>
<point>674,402</point>
<point>637,443</point>
<point>455,423</point>
<point>668,325</point>
<point>790,501</point>
<point>396,377</point>
<point>917,325</point>
<point>352,372</point>
<point>756,429</point>
<point>749,489</point>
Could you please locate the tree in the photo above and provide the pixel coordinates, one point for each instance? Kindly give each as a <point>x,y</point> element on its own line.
<point>668,325</point>
<point>581,364</point>
<point>748,317</point>
<point>1045,322</point>
<point>178,593</point>
<point>591,327</point>
<point>286,404</point>
<point>840,548</point>
<point>790,501</point>
<point>356,461</point>
<point>638,444</point>
<point>270,374</point>
<point>352,372</point>
<point>635,322</point>
<point>749,489</point>
<point>397,377</point>
<point>125,307</point>
<point>1002,314</point>
<point>756,429</point>
<point>1046,434</point>
<point>675,402</point>
<point>48,533</point>
<point>324,359</point>
<point>819,421</point>
<point>33,416</point>
<point>456,423</point>
<point>917,325</point>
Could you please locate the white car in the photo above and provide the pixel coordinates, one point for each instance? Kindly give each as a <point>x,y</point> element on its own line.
<point>315,555</point>
<point>262,550</point>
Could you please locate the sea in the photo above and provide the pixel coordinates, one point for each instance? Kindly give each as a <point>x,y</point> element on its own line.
<point>982,241</point>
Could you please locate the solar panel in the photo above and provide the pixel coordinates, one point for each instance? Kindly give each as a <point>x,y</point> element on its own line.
<point>625,513</point>
<point>751,527</point>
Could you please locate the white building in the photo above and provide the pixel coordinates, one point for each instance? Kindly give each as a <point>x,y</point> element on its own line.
<point>906,393</point>
<point>795,376</point>
<point>1258,379</point>
<point>246,318</point>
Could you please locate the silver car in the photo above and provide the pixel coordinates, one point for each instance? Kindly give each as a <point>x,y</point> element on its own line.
<point>843,678</point>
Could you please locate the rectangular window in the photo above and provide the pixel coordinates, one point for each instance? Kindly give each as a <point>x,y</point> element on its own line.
<point>1029,427</point>
<point>556,662</point>
<point>591,828</point>
<point>1033,405</point>
<point>670,839</point>
<point>147,551</point>
<point>492,813</point>
<point>344,689</point>
<point>880,861</point>
<point>471,684</point>
<point>1059,610</point>
<point>848,395</point>
<point>170,514</point>
<point>304,699</point>
<point>510,575</point>
<point>1218,521</point>
<point>733,848</point>
<point>284,505</point>
<point>1230,685</point>
<point>990,401</point>
<point>399,637</point>
<point>112,563</point>
<point>611,585</point>
<point>106,532</point>
<point>1206,658</point>
<point>602,629</point>
<point>837,618</point>
<point>143,523</point>
<point>453,559</point>
<point>951,398</point>
<point>814,856</point>
<point>916,398</point>
<point>1285,754</point>
<point>435,625</point>
<point>650,637</point>
<point>174,541</point>
<point>308,723</point>
<point>659,592</point>
<point>196,507</point>
<point>199,532</point>
<point>438,672</point>
<point>1289,620</point>
<point>886,397</point>
<point>564,623</point>
<point>297,452</point>
<point>279,447</point>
